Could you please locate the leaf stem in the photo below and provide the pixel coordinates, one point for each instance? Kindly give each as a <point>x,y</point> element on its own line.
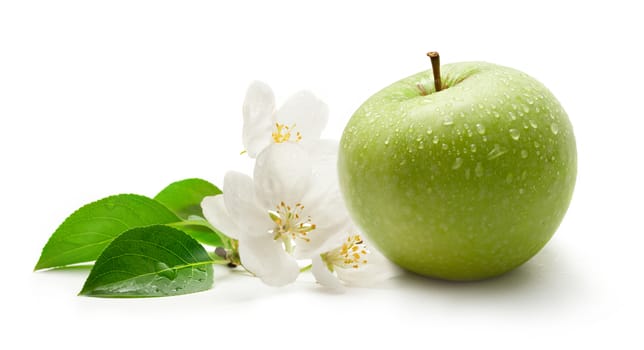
<point>306,268</point>
<point>203,223</point>
<point>220,262</point>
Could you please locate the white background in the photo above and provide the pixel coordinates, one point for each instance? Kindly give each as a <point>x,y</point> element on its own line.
<point>128,96</point>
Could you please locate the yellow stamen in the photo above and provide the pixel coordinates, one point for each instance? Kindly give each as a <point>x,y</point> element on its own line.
<point>282,133</point>
<point>288,224</point>
<point>351,254</point>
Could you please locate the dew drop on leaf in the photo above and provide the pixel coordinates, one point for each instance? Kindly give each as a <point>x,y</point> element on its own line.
<point>165,271</point>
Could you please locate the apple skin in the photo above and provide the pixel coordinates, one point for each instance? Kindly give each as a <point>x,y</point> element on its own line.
<point>462,184</point>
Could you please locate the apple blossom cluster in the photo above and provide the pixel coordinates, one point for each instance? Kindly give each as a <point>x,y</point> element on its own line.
<point>291,210</point>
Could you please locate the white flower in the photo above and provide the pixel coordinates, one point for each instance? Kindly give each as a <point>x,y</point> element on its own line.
<point>351,262</point>
<point>300,119</point>
<point>288,210</point>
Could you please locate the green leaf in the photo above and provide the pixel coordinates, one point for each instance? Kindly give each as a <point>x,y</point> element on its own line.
<point>85,233</point>
<point>184,197</point>
<point>202,234</point>
<point>151,261</point>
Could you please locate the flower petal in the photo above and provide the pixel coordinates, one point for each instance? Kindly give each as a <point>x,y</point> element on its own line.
<point>266,258</point>
<point>323,275</point>
<point>308,113</point>
<point>324,160</point>
<point>323,201</point>
<point>241,203</point>
<point>214,209</point>
<point>282,174</point>
<point>325,237</point>
<point>258,110</point>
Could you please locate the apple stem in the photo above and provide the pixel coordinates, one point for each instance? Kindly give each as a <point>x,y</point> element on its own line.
<point>436,69</point>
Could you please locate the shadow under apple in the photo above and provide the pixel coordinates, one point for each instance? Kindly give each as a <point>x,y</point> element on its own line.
<point>548,281</point>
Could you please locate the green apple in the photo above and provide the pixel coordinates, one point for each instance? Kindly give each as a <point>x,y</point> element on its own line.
<point>464,183</point>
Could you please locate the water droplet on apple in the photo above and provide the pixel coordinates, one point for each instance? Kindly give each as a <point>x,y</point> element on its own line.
<point>457,163</point>
<point>524,154</point>
<point>435,139</point>
<point>480,128</point>
<point>387,141</point>
<point>421,145</point>
<point>533,124</point>
<point>512,116</point>
<point>448,121</point>
<point>467,173</point>
<point>478,170</point>
<point>554,127</point>
<point>429,130</point>
<point>521,190</point>
<point>496,152</point>
<point>473,147</point>
<point>467,129</point>
<point>445,146</point>
<point>514,133</point>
